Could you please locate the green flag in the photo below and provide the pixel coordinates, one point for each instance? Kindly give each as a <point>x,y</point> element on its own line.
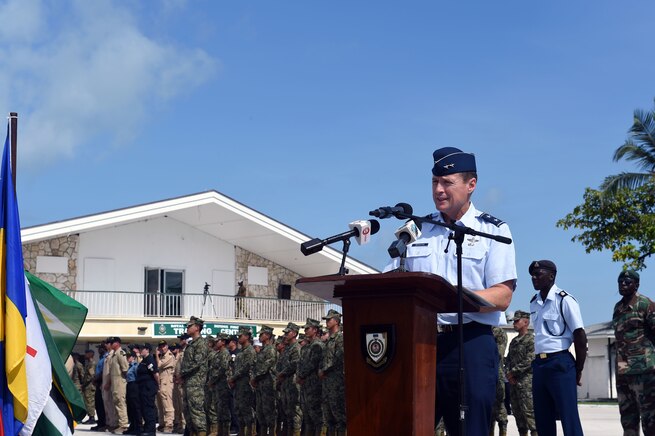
<point>61,319</point>
<point>63,315</point>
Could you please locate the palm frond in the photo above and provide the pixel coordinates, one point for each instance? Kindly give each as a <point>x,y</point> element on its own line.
<point>613,184</point>
<point>643,129</point>
<point>630,151</point>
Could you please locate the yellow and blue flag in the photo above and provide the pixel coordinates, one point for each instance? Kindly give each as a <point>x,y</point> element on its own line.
<point>13,307</point>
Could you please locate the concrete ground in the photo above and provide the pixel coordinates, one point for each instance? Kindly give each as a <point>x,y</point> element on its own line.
<point>597,420</point>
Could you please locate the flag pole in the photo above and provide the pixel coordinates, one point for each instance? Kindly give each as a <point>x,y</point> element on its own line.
<point>13,123</point>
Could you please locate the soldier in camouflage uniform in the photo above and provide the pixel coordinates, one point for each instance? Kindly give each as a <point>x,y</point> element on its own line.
<point>89,387</point>
<point>499,413</point>
<point>279,350</point>
<point>178,389</point>
<point>223,394</point>
<point>332,376</point>
<point>194,375</point>
<point>244,396</point>
<point>289,390</point>
<point>78,371</point>
<point>634,329</point>
<point>518,369</point>
<point>307,375</point>
<point>211,398</point>
<point>262,380</point>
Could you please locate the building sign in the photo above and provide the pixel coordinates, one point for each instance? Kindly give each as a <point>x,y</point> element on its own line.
<point>209,328</point>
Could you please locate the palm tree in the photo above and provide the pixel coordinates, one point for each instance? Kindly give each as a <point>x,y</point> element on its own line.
<point>639,148</point>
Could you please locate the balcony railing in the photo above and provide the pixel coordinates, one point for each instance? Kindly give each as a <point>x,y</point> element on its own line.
<point>105,304</point>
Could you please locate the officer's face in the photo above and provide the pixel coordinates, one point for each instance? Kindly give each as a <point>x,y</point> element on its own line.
<point>520,323</point>
<point>451,194</point>
<point>244,339</point>
<point>628,286</point>
<point>331,323</point>
<point>310,332</point>
<point>542,279</point>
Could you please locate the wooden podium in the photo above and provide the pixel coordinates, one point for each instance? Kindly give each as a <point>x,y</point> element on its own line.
<point>390,340</point>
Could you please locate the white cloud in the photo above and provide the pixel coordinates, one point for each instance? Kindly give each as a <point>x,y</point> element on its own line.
<point>85,71</point>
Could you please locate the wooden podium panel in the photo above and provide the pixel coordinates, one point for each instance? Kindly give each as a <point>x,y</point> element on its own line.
<point>399,398</point>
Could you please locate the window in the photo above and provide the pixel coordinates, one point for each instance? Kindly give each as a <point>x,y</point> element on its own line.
<point>163,292</point>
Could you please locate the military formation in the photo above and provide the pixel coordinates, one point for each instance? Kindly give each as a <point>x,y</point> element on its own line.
<point>290,385</point>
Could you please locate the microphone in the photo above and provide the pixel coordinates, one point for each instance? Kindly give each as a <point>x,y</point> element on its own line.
<point>365,229</point>
<point>406,234</point>
<point>388,212</point>
<point>362,230</point>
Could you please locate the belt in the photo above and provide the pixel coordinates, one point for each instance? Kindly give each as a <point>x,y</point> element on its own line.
<point>547,355</point>
<point>453,328</point>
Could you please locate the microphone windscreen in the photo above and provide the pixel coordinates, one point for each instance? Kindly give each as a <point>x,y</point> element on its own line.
<point>406,208</point>
<point>375,226</point>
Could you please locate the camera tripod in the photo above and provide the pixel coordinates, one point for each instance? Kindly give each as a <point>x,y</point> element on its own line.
<point>207,296</point>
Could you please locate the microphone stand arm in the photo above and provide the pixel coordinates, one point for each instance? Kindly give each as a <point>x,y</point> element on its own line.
<point>342,269</point>
<point>458,234</point>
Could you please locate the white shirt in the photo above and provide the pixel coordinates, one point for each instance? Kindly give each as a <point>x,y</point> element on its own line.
<point>485,262</point>
<point>552,332</point>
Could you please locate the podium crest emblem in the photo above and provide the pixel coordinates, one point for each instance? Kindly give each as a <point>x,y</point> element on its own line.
<point>378,345</point>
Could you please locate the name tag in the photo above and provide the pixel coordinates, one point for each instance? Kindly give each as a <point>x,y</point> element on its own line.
<point>422,244</point>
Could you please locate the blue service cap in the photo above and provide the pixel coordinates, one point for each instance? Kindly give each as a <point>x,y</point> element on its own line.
<point>451,160</point>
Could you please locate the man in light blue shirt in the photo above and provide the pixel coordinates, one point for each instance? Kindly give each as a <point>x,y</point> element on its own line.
<point>557,324</point>
<point>488,269</point>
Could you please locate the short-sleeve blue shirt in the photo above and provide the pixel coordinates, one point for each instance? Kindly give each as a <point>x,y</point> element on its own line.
<point>554,320</point>
<point>485,262</point>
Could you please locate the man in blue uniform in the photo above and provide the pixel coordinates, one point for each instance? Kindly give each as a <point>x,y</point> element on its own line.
<point>488,268</point>
<point>555,373</point>
<point>147,377</point>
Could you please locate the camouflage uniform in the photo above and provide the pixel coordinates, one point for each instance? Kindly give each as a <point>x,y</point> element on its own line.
<point>178,395</point>
<point>244,396</point>
<point>334,387</point>
<point>278,386</point>
<point>194,374</point>
<point>211,397</point>
<point>499,413</point>
<point>634,329</point>
<point>519,363</point>
<point>89,388</point>
<point>310,383</point>
<point>289,390</point>
<point>223,392</point>
<point>262,375</point>
<point>78,374</point>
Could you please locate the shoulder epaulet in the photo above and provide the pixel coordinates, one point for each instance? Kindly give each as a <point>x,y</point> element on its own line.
<point>491,219</point>
<point>534,297</point>
<point>565,294</point>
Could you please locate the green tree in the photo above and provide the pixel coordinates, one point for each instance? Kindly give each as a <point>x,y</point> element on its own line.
<point>624,224</point>
<point>638,148</point>
<point>620,216</point>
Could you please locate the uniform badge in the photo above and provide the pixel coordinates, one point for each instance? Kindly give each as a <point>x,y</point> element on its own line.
<point>378,345</point>
<point>472,240</point>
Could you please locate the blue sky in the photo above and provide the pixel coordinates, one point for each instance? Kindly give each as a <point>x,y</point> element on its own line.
<point>316,112</point>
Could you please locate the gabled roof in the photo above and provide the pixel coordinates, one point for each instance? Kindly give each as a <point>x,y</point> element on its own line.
<point>219,216</point>
<point>600,330</point>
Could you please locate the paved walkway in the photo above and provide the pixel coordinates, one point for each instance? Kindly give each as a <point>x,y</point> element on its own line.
<point>597,420</point>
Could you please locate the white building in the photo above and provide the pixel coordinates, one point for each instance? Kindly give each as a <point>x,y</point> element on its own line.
<point>142,270</point>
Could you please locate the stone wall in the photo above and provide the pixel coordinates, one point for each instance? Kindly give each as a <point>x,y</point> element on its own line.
<point>276,274</point>
<point>63,246</point>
